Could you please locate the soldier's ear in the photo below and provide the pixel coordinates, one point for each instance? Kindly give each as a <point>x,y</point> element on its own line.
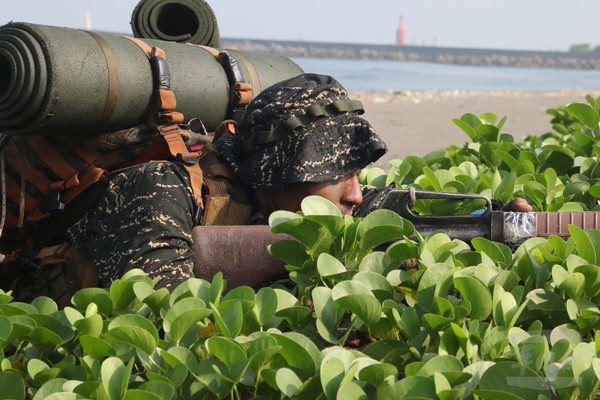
<point>227,127</point>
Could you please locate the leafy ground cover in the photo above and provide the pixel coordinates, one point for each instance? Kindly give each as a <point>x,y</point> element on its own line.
<point>430,318</point>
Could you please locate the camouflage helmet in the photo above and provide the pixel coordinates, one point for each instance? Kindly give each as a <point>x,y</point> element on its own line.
<point>304,129</point>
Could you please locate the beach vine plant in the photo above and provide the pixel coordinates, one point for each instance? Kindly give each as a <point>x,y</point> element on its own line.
<point>371,309</point>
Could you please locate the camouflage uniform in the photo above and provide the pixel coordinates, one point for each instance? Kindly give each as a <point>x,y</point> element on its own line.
<point>143,221</point>
<point>304,129</point>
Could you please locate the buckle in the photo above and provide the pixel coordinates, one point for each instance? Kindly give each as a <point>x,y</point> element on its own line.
<point>188,160</point>
<point>198,215</point>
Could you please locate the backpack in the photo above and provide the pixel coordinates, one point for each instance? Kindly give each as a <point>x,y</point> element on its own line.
<point>52,181</point>
<point>49,182</point>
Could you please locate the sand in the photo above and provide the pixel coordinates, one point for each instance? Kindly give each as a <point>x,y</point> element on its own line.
<point>416,122</point>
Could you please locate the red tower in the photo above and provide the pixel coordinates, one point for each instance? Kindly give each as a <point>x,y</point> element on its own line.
<point>401,33</point>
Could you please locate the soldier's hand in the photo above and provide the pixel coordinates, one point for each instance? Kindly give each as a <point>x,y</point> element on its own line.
<point>519,204</point>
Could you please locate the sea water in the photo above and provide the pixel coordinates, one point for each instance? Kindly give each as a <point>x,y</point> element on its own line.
<point>397,75</point>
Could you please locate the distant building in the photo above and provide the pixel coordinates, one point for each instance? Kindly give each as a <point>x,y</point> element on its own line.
<point>401,33</point>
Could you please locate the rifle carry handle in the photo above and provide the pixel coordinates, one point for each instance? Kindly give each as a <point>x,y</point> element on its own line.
<point>487,224</point>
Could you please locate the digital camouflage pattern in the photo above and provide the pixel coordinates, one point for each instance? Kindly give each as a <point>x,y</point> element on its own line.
<point>301,130</point>
<point>304,129</point>
<point>144,220</point>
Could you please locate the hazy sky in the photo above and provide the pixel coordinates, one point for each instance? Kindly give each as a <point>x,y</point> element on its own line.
<point>499,24</point>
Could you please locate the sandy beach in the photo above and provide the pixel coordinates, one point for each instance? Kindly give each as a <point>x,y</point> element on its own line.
<point>416,123</point>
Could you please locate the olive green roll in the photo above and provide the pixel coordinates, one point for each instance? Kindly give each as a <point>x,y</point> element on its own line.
<point>67,81</point>
<point>183,21</point>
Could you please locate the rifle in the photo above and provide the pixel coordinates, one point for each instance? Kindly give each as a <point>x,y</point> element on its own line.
<point>240,252</point>
<point>500,226</point>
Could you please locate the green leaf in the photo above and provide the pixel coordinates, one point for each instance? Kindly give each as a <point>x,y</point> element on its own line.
<point>585,114</point>
<point>134,330</point>
<point>381,226</point>
<point>232,316</point>
<point>44,338</point>
<point>265,305</point>
<point>499,252</point>
<point>299,351</point>
<point>505,191</point>
<point>476,292</point>
<point>12,385</point>
<point>53,389</point>
<point>376,372</point>
<point>377,283</point>
<point>121,293</point>
<point>96,347</point>
<point>329,266</point>
<point>351,391</point>
<point>115,376</point>
<point>326,314</point>
<point>287,381</point>
<point>412,387</point>
<point>92,325</point>
<point>139,394</point>
<point>297,316</point>
<point>231,353</point>
<point>156,300</point>
<point>45,305</point>
<point>466,128</point>
<point>6,328</point>
<point>183,315</point>
<point>304,230</point>
<point>291,251</point>
<point>442,364</point>
<point>584,245</point>
<point>428,283</point>
<point>533,351</point>
<point>511,380</point>
<point>324,212</point>
<point>592,279</point>
<point>101,297</point>
<point>333,370</point>
<point>357,298</point>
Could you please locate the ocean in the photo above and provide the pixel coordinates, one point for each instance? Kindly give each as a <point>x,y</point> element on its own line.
<point>395,75</point>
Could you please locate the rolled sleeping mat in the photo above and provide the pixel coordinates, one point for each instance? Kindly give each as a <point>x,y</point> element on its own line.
<point>180,21</point>
<point>67,81</point>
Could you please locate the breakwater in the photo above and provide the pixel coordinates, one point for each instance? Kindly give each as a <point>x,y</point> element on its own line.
<point>446,55</point>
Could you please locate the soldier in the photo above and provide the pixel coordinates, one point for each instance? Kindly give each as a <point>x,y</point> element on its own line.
<point>300,137</point>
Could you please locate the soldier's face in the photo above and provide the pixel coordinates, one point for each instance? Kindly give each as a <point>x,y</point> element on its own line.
<point>345,193</point>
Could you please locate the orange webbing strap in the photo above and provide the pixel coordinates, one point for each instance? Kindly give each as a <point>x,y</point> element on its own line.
<point>166,104</point>
<point>180,152</point>
<point>241,91</point>
<point>165,98</point>
<point>112,94</point>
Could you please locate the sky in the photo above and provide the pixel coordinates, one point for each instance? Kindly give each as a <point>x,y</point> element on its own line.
<point>548,25</point>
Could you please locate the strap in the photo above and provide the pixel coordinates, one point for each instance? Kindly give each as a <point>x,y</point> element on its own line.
<point>161,75</point>
<point>15,160</point>
<point>165,114</point>
<point>50,156</point>
<point>2,190</point>
<point>180,152</point>
<point>113,78</point>
<point>241,90</point>
<point>295,122</point>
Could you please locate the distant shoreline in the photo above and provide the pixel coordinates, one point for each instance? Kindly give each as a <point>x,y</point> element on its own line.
<point>419,122</point>
<point>444,55</point>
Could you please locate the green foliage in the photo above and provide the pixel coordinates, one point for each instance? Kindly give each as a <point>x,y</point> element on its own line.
<point>370,313</point>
